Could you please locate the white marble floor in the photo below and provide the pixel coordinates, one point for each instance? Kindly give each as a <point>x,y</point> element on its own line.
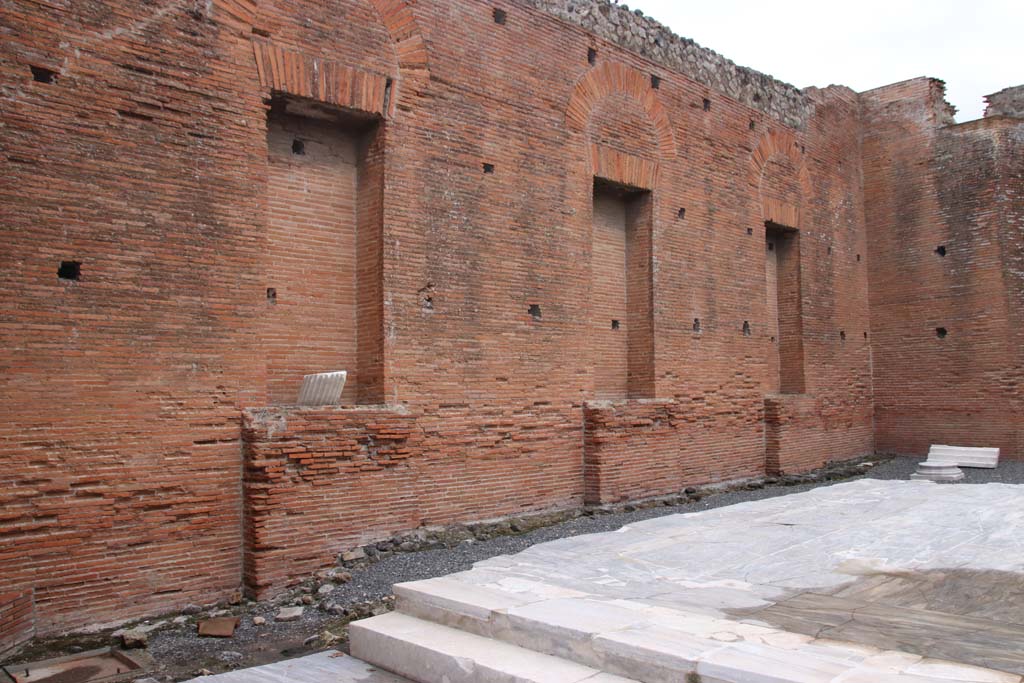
<point>835,584</point>
<point>874,581</point>
<point>330,666</point>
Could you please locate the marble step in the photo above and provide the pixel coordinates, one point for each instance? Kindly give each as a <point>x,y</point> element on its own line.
<point>330,666</point>
<point>427,652</point>
<point>622,639</point>
<point>551,627</point>
<point>660,644</point>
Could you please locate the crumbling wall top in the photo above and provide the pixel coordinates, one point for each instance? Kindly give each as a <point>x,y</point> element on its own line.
<point>655,41</point>
<point>923,97</point>
<point>1006,102</point>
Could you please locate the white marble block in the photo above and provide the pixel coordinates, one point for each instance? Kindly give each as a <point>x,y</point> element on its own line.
<point>962,456</point>
<point>322,389</point>
<point>941,472</point>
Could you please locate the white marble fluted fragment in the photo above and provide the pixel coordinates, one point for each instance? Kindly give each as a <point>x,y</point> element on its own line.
<point>322,389</point>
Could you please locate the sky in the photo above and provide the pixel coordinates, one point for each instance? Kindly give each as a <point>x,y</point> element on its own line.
<point>975,46</point>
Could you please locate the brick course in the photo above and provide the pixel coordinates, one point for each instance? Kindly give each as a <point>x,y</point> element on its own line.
<point>318,481</point>
<point>146,464</point>
<point>17,620</point>
<point>928,185</point>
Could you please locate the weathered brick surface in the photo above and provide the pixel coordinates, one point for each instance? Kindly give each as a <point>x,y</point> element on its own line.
<point>121,392</point>
<point>650,447</point>
<point>17,619</point>
<point>629,28</point>
<point>1006,102</point>
<point>321,480</point>
<point>929,184</point>
<point>803,432</point>
<point>153,157</point>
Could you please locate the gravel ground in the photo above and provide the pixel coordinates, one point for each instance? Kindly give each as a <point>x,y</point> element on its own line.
<point>180,653</point>
<point>1008,471</point>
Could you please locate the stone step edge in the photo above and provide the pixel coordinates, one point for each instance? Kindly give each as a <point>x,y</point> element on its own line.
<point>483,612</point>
<point>428,652</point>
<point>653,655</point>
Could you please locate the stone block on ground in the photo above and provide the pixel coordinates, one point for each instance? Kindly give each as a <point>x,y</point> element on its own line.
<point>288,614</point>
<point>964,456</point>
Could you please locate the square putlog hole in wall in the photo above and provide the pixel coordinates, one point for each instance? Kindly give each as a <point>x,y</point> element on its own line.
<point>591,56</point>
<point>941,250</point>
<point>488,168</point>
<point>500,16</point>
<point>941,332</point>
<point>534,311</point>
<point>655,82</point>
<point>42,74</point>
<point>707,104</point>
<point>70,270</point>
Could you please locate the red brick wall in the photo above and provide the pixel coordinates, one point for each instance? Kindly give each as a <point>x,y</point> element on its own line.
<point>621,331</point>
<point>784,313</point>
<point>1011,242</point>
<point>803,432</point>
<point>370,267</point>
<point>772,384</point>
<point>310,325</point>
<point>143,160</point>
<point>147,160</point>
<point>17,619</point>
<point>640,296</point>
<point>318,481</point>
<point>833,281</point>
<point>637,449</point>
<point>609,341</point>
<point>931,184</point>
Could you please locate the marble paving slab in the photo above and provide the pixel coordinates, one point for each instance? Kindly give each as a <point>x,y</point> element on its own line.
<point>935,573</point>
<point>330,666</point>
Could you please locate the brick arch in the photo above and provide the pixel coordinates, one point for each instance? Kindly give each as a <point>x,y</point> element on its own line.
<point>613,78</point>
<point>411,49</point>
<point>305,74</point>
<point>772,144</point>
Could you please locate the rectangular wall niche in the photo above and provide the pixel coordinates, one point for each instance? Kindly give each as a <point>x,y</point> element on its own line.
<point>325,179</point>
<point>621,310</point>
<point>785,322</point>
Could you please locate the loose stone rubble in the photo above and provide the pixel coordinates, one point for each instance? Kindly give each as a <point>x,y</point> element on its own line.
<point>652,39</point>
